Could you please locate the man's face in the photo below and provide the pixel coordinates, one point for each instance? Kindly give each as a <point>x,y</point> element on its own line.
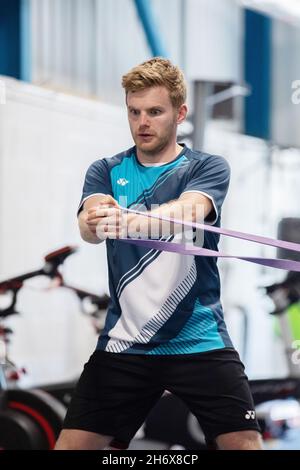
<point>152,119</point>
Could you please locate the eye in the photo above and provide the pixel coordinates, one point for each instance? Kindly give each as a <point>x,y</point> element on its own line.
<point>155,112</point>
<point>134,112</point>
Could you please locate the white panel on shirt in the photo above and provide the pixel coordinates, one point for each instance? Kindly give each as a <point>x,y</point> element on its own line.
<point>153,295</point>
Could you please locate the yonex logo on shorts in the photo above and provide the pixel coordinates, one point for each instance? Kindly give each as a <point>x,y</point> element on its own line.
<point>250,414</point>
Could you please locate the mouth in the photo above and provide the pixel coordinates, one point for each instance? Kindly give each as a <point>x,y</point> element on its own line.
<point>145,137</point>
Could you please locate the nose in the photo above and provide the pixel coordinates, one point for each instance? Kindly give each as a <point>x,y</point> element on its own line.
<point>144,120</point>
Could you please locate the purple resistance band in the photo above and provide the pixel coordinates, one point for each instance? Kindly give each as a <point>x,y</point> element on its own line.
<point>288,265</point>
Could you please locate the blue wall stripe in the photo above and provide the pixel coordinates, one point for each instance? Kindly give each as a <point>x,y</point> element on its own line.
<point>151,28</point>
<point>258,74</point>
<point>25,20</point>
<point>10,49</point>
<point>15,44</point>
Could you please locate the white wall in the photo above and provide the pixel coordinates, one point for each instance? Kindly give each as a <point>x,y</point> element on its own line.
<point>87,45</point>
<point>213,42</point>
<point>47,142</point>
<point>285,70</point>
<point>264,188</point>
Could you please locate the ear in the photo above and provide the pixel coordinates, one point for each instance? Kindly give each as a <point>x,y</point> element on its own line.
<point>182,112</point>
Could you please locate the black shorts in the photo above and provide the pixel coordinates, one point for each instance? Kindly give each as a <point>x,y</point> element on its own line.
<point>116,392</point>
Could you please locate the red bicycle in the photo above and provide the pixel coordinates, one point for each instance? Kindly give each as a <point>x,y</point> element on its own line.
<point>31,419</point>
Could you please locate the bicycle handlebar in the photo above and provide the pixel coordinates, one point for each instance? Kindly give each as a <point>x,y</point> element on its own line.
<point>52,261</point>
<point>100,301</point>
<point>284,293</point>
<point>56,258</point>
<point>50,269</point>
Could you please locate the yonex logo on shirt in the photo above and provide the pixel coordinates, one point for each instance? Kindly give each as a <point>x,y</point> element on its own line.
<point>122,181</point>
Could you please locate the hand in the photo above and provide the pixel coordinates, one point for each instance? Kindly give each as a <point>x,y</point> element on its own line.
<point>105,219</point>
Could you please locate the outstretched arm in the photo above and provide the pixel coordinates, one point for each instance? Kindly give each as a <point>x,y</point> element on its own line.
<point>189,207</point>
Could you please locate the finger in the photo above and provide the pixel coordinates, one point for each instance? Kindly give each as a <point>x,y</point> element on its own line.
<point>110,228</point>
<point>91,217</point>
<point>102,212</point>
<point>109,200</point>
<point>110,235</point>
<point>109,231</point>
<point>93,210</point>
<point>108,212</point>
<point>103,221</point>
<point>93,229</point>
<point>112,217</point>
<point>100,204</point>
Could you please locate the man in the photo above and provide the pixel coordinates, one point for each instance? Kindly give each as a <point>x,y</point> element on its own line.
<point>164,328</point>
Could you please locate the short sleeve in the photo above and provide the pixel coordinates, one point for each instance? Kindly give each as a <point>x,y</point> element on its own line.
<point>97,182</point>
<point>211,178</point>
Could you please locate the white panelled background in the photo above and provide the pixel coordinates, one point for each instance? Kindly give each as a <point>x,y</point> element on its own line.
<point>87,45</point>
<point>48,139</point>
<point>47,142</point>
<point>285,69</point>
<point>264,188</point>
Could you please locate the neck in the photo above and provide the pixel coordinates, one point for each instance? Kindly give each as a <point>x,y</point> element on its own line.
<point>166,155</point>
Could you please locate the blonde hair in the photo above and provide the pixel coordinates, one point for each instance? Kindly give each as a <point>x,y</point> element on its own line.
<point>157,72</point>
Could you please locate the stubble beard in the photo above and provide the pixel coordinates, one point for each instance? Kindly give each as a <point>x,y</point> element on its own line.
<point>160,146</point>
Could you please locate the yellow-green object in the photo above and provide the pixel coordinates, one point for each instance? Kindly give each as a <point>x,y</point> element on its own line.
<point>293,313</point>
